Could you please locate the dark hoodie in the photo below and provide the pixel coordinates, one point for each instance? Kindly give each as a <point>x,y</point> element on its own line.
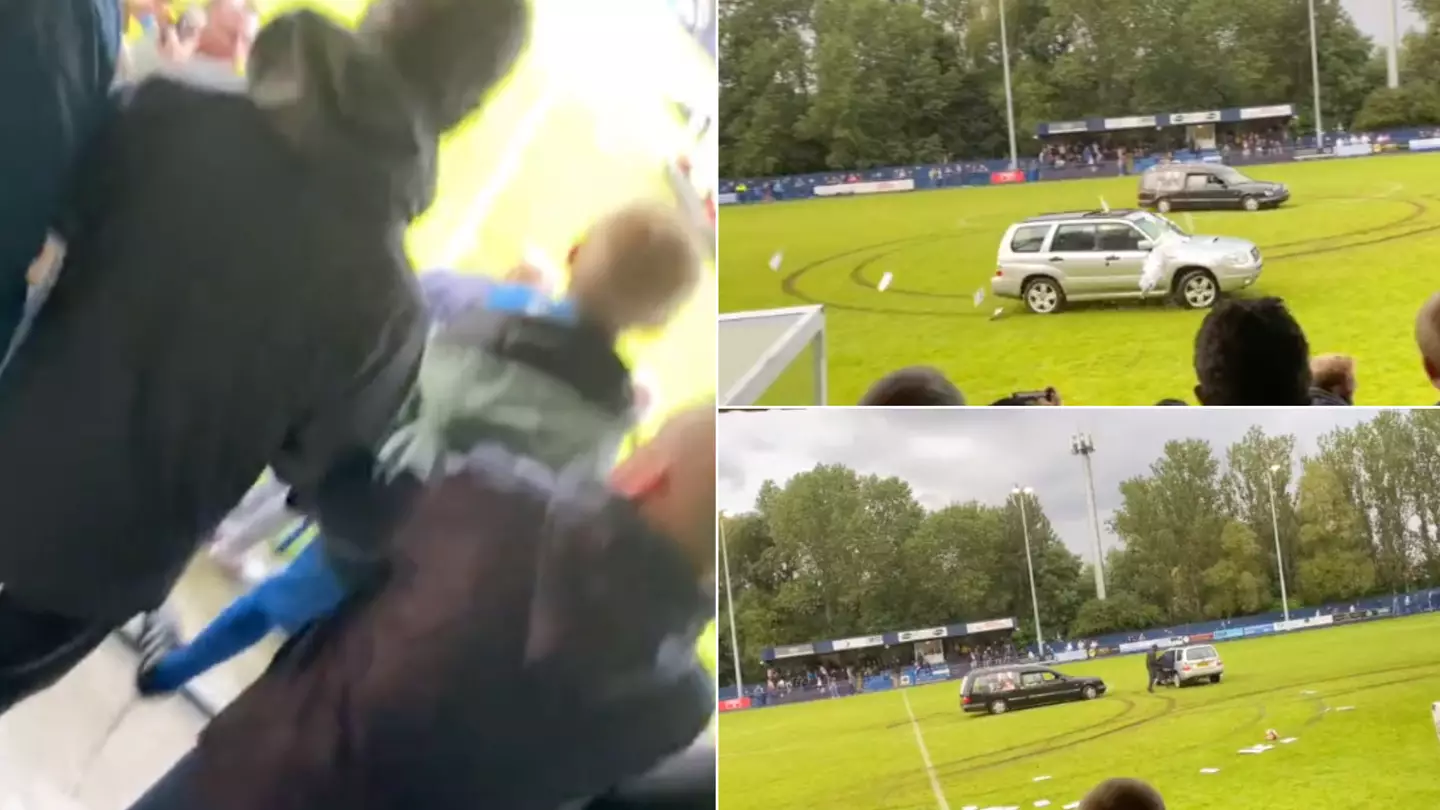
<point>235,294</point>
<point>532,646</point>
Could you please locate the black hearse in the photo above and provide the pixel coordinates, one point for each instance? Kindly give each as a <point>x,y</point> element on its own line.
<point>1196,186</point>
<point>1019,686</point>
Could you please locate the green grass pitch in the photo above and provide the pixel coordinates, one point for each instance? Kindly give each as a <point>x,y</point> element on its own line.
<point>1354,254</point>
<point>861,752</point>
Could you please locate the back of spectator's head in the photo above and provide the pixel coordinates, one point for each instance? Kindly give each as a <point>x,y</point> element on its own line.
<point>1252,352</point>
<point>1122,794</point>
<point>450,53</point>
<point>1334,374</point>
<point>915,385</point>
<point>1169,401</point>
<point>1427,337</point>
<point>635,267</point>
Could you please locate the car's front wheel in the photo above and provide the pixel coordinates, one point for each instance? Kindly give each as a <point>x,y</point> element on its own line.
<point>1250,204</point>
<point>1043,295</point>
<point>1088,693</point>
<point>1196,289</point>
<point>999,706</point>
<point>1162,205</point>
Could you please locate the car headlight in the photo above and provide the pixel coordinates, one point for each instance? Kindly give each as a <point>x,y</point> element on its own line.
<point>1238,258</point>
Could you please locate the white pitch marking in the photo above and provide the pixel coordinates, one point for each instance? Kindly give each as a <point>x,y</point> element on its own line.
<point>925,754</point>
<point>463,239</point>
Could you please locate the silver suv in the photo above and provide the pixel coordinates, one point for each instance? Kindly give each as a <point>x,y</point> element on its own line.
<point>1103,255</point>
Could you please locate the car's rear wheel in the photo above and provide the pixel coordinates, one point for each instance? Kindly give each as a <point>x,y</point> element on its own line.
<point>1162,205</point>
<point>999,706</point>
<point>1196,289</point>
<point>1215,678</point>
<point>1043,295</point>
<point>1088,693</point>
<point>1250,203</point>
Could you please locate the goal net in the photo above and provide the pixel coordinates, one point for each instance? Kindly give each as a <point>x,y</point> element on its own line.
<point>773,357</point>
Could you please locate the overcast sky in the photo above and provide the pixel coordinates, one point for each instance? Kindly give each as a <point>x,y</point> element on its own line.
<point>980,453</point>
<point>1373,17</point>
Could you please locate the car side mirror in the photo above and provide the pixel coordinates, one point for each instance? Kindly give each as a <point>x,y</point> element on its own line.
<point>1146,244</point>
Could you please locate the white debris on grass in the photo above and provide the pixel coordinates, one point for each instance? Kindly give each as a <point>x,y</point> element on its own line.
<point>1309,692</point>
<point>776,259</point>
<point>971,807</point>
<point>1042,803</point>
<point>1071,806</point>
<point>1344,708</point>
<point>1289,740</point>
<point>884,282</point>
<point>1209,770</point>
<point>1040,779</point>
<point>979,296</point>
<point>997,313</point>
<point>1256,749</point>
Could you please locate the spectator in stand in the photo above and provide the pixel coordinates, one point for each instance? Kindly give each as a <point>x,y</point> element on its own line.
<point>1427,337</point>
<point>1332,380</point>
<point>916,385</point>
<point>1122,794</point>
<point>1252,352</point>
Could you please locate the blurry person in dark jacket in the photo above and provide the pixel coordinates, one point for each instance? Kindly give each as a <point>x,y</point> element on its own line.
<point>531,645</point>
<point>278,325</point>
<point>1152,666</point>
<point>57,62</point>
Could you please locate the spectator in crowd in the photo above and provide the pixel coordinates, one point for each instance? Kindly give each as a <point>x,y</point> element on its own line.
<point>1122,794</point>
<point>147,398</point>
<point>491,665</point>
<point>1171,402</point>
<point>57,64</point>
<point>1427,337</point>
<point>916,385</point>
<point>1251,352</point>
<point>1332,380</point>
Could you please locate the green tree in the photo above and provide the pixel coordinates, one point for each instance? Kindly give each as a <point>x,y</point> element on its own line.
<point>1170,523</point>
<point>1334,563</point>
<point>1121,611</point>
<point>1237,584</point>
<point>1252,466</point>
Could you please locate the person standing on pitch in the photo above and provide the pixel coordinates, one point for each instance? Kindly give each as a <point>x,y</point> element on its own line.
<point>276,323</point>
<point>1152,666</point>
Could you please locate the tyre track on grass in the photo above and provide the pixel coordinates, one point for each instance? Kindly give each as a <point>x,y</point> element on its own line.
<point>789,284</point>
<point>969,765</point>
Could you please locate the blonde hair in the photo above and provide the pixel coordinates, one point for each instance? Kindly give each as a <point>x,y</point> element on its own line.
<point>1333,372</point>
<point>635,267</point>
<point>1427,330</point>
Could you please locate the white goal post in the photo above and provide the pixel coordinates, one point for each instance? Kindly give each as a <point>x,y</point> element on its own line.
<point>758,347</point>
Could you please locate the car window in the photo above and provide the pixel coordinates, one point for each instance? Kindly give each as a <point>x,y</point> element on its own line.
<point>991,682</point>
<point>1197,182</point>
<point>1029,238</point>
<point>1032,679</point>
<point>1073,237</point>
<point>1147,181</point>
<point>1170,181</point>
<point>1200,653</point>
<point>1050,677</point>
<point>1119,236</point>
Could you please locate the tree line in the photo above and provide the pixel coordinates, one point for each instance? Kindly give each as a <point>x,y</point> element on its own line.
<point>816,85</point>
<point>831,553</point>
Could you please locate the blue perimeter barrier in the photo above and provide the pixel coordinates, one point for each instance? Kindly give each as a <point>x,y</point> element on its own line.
<point>1115,644</point>
<point>997,172</point>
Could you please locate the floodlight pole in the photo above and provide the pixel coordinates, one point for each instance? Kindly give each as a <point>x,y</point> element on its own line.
<point>1009,94</point>
<point>730,604</point>
<point>1279,558</point>
<point>1030,566</point>
<point>1082,445</point>
<point>1392,57</point>
<point>1315,75</point>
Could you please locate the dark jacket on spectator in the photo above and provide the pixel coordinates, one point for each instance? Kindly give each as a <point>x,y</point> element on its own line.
<point>235,294</point>
<point>508,661</point>
<point>1319,396</point>
<point>57,61</point>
